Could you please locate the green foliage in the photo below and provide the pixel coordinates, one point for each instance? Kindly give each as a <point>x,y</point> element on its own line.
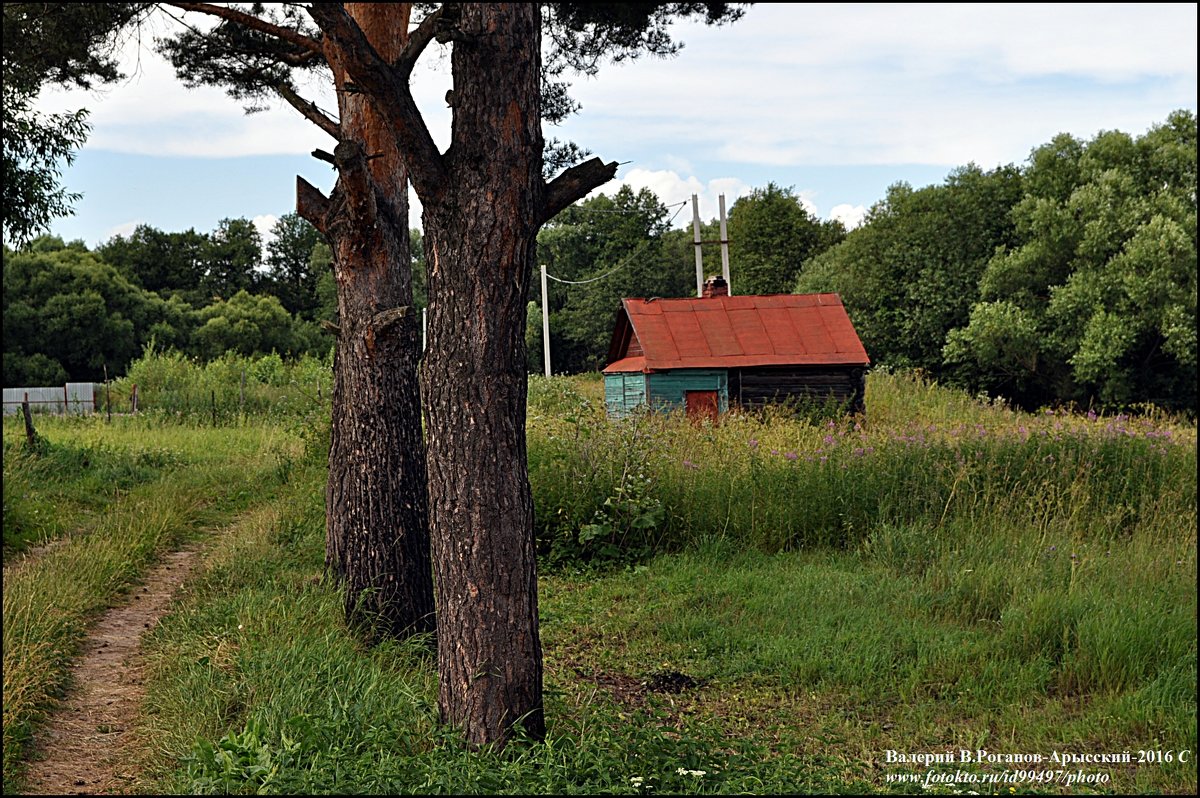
<point>232,257</point>
<point>291,275</point>
<point>911,272</point>
<point>50,44</point>
<point>171,385</point>
<point>50,490</point>
<point>616,243</point>
<point>66,311</point>
<point>1103,275</point>
<point>253,325</point>
<point>1072,279</point>
<point>69,313</point>
<point>771,235</point>
<point>607,491</point>
<point>534,350</point>
<point>170,264</point>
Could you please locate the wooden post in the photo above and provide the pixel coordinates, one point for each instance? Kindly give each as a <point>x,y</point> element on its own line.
<point>133,400</point>
<point>65,400</point>
<point>107,395</point>
<point>30,434</point>
<point>545,325</point>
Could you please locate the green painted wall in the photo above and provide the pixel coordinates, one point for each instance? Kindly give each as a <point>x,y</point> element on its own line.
<point>624,392</point>
<point>667,388</point>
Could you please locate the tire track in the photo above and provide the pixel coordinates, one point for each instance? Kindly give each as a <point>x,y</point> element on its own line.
<point>81,748</point>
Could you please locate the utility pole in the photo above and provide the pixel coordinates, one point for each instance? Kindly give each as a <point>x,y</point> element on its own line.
<point>699,257</point>
<point>725,249</point>
<point>545,325</point>
<point>724,242</point>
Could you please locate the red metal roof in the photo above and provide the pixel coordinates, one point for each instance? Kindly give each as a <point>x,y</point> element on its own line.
<point>735,331</point>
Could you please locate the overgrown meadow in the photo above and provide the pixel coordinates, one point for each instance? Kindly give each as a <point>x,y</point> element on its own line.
<point>771,605</point>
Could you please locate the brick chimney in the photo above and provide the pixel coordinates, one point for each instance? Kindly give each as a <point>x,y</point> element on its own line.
<point>715,286</point>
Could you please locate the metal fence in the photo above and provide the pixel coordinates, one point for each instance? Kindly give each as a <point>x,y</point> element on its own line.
<point>75,397</point>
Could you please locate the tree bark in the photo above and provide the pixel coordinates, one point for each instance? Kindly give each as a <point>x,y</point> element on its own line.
<point>480,236</point>
<point>377,538</point>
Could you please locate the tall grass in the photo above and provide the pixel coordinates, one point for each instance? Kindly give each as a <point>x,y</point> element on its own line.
<point>940,573</point>
<point>922,455</point>
<point>49,599</point>
<point>229,388</point>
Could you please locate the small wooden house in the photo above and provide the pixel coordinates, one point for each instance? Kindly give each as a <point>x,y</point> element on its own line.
<point>705,354</point>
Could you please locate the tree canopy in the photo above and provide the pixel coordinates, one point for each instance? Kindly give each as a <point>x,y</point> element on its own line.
<point>1095,301</point>
<point>50,44</point>
<point>1069,279</point>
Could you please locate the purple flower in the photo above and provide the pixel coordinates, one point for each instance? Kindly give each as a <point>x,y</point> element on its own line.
<point>1091,415</point>
<point>774,451</point>
<point>791,455</point>
<point>753,443</point>
<point>690,464</point>
<point>858,451</point>
<point>828,439</point>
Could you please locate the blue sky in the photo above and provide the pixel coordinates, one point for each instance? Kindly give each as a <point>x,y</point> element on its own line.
<point>838,101</point>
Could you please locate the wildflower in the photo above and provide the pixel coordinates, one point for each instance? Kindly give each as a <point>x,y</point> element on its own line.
<point>690,464</point>
<point>753,443</point>
<point>636,781</point>
<point>696,773</point>
<point>828,439</point>
<point>791,455</point>
<point>1091,415</point>
<point>774,451</point>
<point>239,627</point>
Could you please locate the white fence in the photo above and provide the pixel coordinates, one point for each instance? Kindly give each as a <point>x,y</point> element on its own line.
<point>74,397</point>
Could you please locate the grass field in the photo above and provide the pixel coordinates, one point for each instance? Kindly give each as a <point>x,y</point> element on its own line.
<point>779,604</point>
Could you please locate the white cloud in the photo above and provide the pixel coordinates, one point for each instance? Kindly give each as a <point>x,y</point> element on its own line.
<point>849,215</point>
<point>265,223</point>
<point>671,190</point>
<point>125,229</point>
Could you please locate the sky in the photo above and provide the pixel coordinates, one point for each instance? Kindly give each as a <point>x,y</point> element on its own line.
<point>835,101</point>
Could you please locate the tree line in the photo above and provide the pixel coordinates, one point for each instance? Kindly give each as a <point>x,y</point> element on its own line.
<point>74,314</point>
<point>1068,279</point>
<point>1071,278</point>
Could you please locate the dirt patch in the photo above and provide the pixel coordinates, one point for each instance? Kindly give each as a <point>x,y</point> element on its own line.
<point>81,749</point>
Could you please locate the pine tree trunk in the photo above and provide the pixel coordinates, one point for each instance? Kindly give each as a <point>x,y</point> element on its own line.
<point>377,539</point>
<point>480,243</point>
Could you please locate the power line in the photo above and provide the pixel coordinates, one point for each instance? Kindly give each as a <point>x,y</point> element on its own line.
<point>622,264</point>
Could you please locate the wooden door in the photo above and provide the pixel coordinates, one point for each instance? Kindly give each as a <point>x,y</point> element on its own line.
<point>701,405</point>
